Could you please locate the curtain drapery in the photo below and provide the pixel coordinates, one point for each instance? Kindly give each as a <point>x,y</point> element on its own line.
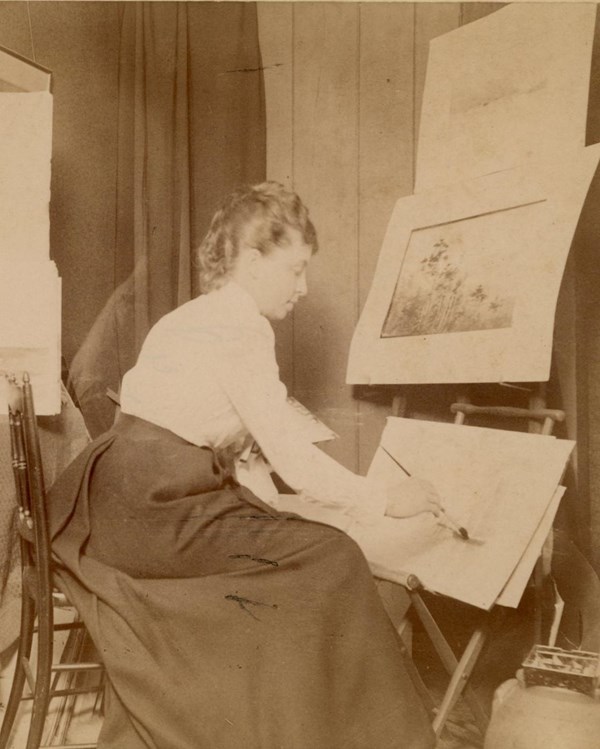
<point>190,129</point>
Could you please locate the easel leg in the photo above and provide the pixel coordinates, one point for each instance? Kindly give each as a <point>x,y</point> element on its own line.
<point>459,670</point>
<point>397,603</point>
<point>416,679</point>
<point>459,683</point>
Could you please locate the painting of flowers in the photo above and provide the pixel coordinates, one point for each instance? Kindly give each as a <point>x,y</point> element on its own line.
<point>457,277</point>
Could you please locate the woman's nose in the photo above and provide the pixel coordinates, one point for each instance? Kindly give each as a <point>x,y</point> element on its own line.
<point>302,286</point>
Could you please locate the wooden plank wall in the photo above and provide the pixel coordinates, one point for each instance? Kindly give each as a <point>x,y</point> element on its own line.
<point>344,84</point>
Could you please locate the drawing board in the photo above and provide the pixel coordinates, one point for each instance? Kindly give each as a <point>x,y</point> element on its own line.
<point>502,486</point>
<point>505,89</point>
<point>466,283</point>
<point>497,484</point>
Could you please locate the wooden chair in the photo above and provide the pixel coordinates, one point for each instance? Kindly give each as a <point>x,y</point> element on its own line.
<point>39,595</point>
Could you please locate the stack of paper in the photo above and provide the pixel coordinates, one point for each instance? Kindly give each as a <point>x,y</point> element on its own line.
<point>30,289</point>
<point>30,305</point>
<point>25,151</point>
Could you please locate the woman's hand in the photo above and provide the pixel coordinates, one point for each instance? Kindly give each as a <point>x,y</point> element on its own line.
<point>410,497</point>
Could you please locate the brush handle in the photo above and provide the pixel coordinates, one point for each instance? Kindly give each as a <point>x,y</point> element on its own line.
<point>454,525</point>
<point>397,462</point>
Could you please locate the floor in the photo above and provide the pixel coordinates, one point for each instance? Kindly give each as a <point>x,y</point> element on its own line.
<point>68,720</point>
<point>460,731</point>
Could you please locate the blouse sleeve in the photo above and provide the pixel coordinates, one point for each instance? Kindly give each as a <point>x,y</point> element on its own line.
<point>248,373</point>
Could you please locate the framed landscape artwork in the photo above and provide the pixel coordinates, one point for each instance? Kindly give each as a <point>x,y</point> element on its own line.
<point>466,283</point>
<point>449,280</point>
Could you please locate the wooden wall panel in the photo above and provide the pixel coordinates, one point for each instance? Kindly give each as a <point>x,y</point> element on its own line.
<point>276,29</point>
<point>344,86</point>
<point>386,120</point>
<point>325,174</point>
<point>386,124</point>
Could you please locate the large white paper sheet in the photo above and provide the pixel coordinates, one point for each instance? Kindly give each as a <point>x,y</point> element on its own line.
<point>513,590</point>
<point>500,485</point>
<point>25,155</point>
<point>505,89</point>
<point>30,327</point>
<point>497,484</point>
<point>467,280</point>
<point>308,424</point>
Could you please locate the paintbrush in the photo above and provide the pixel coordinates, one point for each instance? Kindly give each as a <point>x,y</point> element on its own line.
<point>452,524</point>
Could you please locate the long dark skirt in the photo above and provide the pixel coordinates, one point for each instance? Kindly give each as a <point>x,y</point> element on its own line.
<point>223,624</point>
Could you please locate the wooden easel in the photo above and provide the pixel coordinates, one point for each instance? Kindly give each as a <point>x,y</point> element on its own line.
<point>541,421</point>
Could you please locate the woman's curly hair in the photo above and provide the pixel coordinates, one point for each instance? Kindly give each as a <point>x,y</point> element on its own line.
<point>259,215</point>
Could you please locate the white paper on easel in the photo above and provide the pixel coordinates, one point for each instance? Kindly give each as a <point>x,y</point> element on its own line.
<point>513,590</point>
<point>25,156</point>
<point>30,329</point>
<point>498,484</point>
<point>559,609</point>
<point>467,279</point>
<point>505,89</point>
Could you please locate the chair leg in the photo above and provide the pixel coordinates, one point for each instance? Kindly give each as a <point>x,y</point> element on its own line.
<point>18,683</point>
<point>41,696</point>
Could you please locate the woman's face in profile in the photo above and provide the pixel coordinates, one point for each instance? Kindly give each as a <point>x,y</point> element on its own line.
<point>282,277</point>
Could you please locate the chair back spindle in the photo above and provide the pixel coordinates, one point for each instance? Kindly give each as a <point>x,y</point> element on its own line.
<point>38,589</point>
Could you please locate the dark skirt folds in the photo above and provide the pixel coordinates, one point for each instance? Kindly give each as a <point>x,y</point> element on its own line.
<point>223,624</point>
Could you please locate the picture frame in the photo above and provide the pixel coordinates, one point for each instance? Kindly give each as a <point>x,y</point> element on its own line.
<point>468,276</point>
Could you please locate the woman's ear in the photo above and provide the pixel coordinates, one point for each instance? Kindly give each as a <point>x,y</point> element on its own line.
<point>247,265</point>
<point>252,261</point>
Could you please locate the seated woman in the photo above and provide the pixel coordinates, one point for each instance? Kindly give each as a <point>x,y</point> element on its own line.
<point>224,623</point>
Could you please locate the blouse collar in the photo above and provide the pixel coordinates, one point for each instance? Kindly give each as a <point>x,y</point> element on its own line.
<point>238,299</point>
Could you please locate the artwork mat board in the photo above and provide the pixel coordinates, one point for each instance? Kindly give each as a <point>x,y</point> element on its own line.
<point>549,198</point>
<point>30,330</point>
<point>504,89</point>
<point>25,154</point>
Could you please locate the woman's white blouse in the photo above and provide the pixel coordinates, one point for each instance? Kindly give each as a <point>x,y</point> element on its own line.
<point>207,372</point>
